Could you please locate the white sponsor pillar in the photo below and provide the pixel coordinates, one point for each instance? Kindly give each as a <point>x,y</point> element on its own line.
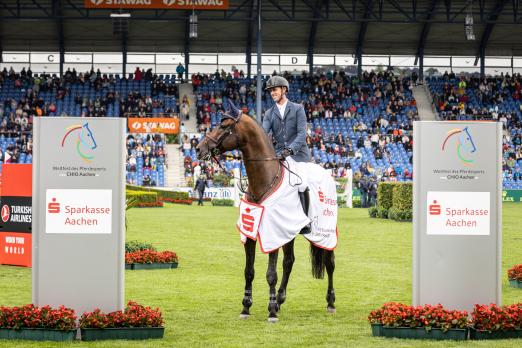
<point>457,212</point>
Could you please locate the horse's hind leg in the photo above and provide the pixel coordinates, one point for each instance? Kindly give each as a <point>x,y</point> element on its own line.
<point>288,262</point>
<point>271,278</point>
<point>330,266</point>
<point>250,256</point>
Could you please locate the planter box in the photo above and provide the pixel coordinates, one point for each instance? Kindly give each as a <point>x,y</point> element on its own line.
<point>136,266</point>
<point>123,333</point>
<point>494,335</point>
<point>377,330</point>
<point>129,265</point>
<point>421,333</point>
<point>515,283</point>
<point>37,334</point>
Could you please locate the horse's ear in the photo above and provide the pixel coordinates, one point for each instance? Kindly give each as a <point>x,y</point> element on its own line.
<point>234,110</point>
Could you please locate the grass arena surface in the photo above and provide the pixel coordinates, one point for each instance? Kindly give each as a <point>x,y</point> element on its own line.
<point>201,300</point>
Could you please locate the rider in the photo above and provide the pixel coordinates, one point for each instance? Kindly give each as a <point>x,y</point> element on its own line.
<point>287,123</point>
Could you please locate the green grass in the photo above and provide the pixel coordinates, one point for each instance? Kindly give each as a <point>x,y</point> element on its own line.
<point>201,300</point>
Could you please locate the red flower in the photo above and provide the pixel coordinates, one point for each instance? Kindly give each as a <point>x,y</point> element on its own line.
<point>151,256</point>
<point>134,315</point>
<point>31,316</point>
<point>515,273</point>
<point>400,315</point>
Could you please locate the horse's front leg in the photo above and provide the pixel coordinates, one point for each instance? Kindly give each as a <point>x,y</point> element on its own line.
<point>329,262</point>
<point>250,256</point>
<point>271,278</point>
<point>288,262</point>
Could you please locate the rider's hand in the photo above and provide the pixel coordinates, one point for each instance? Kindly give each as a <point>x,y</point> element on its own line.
<point>286,152</point>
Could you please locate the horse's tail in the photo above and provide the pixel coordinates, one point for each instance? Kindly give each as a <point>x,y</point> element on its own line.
<point>317,257</point>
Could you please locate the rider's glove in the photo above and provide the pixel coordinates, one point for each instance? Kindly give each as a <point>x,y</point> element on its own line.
<point>286,152</point>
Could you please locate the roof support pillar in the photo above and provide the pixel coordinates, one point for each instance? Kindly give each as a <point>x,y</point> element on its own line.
<point>259,80</point>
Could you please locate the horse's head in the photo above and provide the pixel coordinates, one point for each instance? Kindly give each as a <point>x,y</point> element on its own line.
<point>222,138</point>
<point>466,141</point>
<point>87,138</point>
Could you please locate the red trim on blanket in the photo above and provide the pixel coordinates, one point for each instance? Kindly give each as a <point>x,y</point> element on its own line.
<point>336,241</point>
<point>262,249</point>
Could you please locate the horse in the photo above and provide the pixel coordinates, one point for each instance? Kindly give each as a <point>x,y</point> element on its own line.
<point>85,141</point>
<point>263,168</point>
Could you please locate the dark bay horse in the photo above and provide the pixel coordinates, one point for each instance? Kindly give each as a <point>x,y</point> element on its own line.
<point>238,131</point>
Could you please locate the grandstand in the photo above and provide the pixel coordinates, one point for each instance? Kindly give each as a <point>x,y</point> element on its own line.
<point>358,84</point>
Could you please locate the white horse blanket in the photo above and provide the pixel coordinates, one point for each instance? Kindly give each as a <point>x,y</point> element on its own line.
<point>279,217</point>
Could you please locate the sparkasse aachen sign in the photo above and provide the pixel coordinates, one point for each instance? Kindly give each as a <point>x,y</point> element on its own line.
<point>78,203</point>
<point>457,231</point>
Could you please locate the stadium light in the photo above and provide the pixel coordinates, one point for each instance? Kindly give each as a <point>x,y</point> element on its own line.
<point>468,23</point>
<point>193,26</point>
<point>120,23</point>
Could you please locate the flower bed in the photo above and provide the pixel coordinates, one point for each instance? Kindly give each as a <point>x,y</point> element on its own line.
<point>432,322</point>
<point>37,323</point>
<point>158,204</point>
<point>492,321</point>
<point>435,322</point>
<point>135,322</point>
<point>151,259</point>
<point>177,201</point>
<point>515,276</point>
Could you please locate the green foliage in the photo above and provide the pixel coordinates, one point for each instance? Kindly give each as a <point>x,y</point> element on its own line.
<point>372,212</point>
<point>136,197</point>
<point>403,196</point>
<point>173,195</point>
<point>385,195</point>
<point>356,202</point>
<point>399,215</point>
<point>223,202</point>
<point>394,201</point>
<point>134,245</point>
<point>172,138</point>
<point>221,180</point>
<point>382,213</point>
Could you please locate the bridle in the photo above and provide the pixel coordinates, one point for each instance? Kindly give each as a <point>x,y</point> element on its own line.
<point>214,151</point>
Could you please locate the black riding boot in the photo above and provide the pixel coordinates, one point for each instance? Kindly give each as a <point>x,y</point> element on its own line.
<point>304,197</point>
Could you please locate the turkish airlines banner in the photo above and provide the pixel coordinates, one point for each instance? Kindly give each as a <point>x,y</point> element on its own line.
<point>159,4</point>
<point>153,125</point>
<point>16,215</point>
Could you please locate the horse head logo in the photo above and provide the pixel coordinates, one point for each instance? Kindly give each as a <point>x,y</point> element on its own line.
<point>97,2</point>
<point>85,142</point>
<point>169,2</point>
<point>465,144</point>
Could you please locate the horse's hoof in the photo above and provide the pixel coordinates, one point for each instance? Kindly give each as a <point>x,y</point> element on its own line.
<point>273,320</point>
<point>330,310</point>
<point>244,316</point>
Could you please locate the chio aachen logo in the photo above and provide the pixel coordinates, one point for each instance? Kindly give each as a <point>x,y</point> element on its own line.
<point>465,146</point>
<point>85,143</point>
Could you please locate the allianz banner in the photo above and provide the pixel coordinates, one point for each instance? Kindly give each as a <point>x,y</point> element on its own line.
<point>159,4</point>
<point>153,125</point>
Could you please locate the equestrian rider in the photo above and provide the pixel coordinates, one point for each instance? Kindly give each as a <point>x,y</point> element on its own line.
<point>286,121</point>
